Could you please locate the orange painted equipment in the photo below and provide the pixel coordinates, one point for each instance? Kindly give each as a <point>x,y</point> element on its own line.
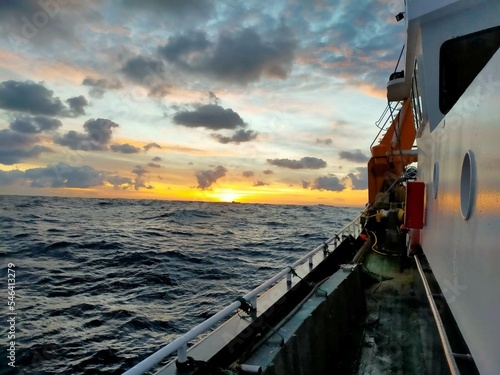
<point>388,156</point>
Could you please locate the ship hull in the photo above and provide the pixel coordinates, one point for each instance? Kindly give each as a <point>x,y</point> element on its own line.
<point>459,162</point>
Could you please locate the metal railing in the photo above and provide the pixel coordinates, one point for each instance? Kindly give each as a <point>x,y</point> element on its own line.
<point>180,344</point>
<point>386,119</point>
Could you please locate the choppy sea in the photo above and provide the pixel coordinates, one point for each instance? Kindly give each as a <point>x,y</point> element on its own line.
<point>103,283</point>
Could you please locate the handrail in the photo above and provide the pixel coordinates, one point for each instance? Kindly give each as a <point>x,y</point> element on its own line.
<point>452,364</point>
<point>180,344</point>
<point>386,118</point>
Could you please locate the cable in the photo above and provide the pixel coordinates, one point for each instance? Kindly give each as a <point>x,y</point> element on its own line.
<point>381,252</point>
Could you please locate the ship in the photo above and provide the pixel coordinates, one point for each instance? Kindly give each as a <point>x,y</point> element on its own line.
<point>411,285</point>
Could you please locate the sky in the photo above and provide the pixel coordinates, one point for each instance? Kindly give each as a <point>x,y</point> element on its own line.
<point>228,100</point>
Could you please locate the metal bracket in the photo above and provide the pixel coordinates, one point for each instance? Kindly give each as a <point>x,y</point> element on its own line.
<point>348,267</point>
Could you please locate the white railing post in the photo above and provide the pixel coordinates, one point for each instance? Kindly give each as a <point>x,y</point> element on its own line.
<point>182,353</point>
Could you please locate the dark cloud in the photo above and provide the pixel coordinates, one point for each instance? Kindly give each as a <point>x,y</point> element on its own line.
<point>326,141</point>
<point>77,105</point>
<point>141,181</point>
<point>156,158</point>
<point>62,175</point>
<point>241,57</point>
<point>96,137</point>
<point>120,182</point>
<point>149,146</point>
<point>160,90</point>
<point>248,173</point>
<point>180,48</point>
<point>29,97</point>
<point>144,70</point>
<point>209,116</point>
<point>16,155</point>
<point>172,10</point>
<point>9,177</point>
<point>154,165</point>
<point>267,171</point>
<point>238,137</point>
<point>21,140</point>
<point>306,184</point>
<point>209,177</point>
<point>100,85</point>
<point>260,183</point>
<point>41,23</point>
<point>355,156</point>
<point>140,170</point>
<point>330,183</point>
<point>33,125</point>
<point>359,180</point>
<point>125,148</point>
<point>304,163</point>
<point>359,46</point>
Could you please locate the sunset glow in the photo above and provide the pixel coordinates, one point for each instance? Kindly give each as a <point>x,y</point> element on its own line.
<point>253,102</point>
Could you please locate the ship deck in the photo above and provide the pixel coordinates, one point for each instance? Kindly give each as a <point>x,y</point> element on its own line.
<point>399,334</point>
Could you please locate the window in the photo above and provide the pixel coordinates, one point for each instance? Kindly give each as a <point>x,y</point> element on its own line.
<point>461,60</point>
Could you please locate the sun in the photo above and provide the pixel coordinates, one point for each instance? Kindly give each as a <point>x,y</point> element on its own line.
<point>228,196</point>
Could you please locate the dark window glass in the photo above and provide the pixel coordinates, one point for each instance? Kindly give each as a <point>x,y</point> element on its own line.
<point>461,60</point>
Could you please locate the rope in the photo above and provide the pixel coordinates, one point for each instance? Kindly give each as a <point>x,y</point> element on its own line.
<point>308,283</point>
<point>325,247</point>
<point>202,368</point>
<point>245,305</point>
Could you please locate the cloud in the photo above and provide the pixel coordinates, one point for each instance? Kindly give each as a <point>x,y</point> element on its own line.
<point>359,181</point>
<point>144,70</point>
<point>181,48</point>
<point>173,10</point>
<point>248,173</point>
<point>240,57</point>
<point>125,148</point>
<point>29,97</point>
<point>140,170</point>
<point>96,137</point>
<point>120,182</point>
<point>238,137</point>
<point>15,147</point>
<point>100,85</point>
<point>140,181</point>
<point>330,183</point>
<point>160,90</point>
<point>154,165</point>
<point>76,105</point>
<point>209,116</point>
<point>209,177</point>
<point>267,171</point>
<point>156,158</point>
<point>42,23</point>
<point>149,146</point>
<point>304,163</point>
<point>306,184</point>
<point>260,183</point>
<point>326,141</point>
<point>22,140</point>
<point>62,175</point>
<point>355,156</point>
<point>33,125</point>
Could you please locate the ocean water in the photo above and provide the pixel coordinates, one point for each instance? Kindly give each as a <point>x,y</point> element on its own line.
<point>102,283</point>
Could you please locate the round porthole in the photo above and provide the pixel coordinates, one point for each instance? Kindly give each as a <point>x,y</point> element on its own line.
<point>467,185</point>
<point>435,180</point>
